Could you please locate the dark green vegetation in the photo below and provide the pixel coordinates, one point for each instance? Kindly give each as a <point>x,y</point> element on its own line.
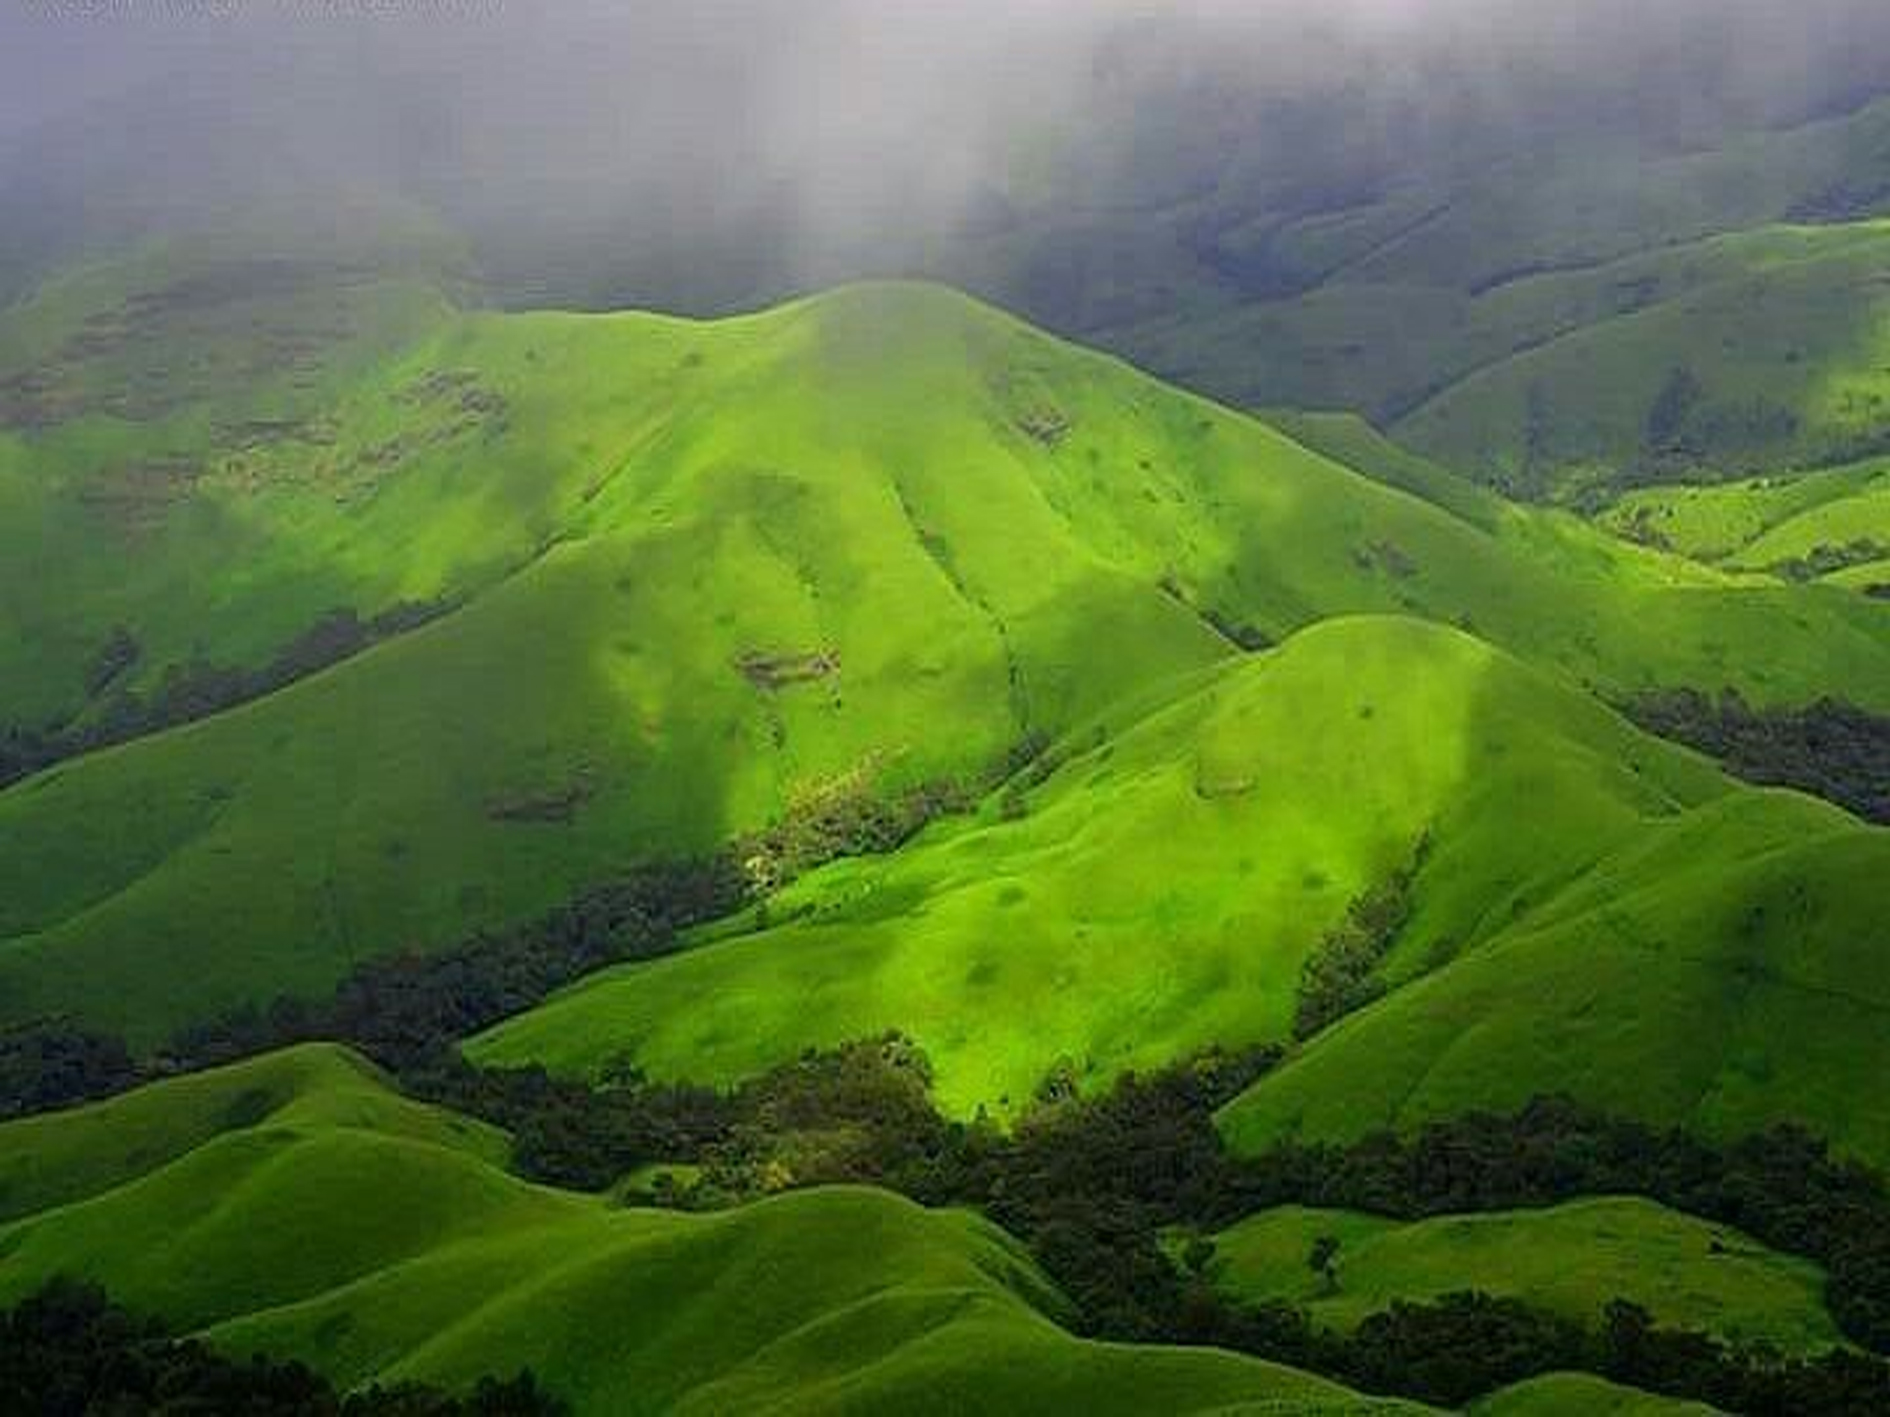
<point>68,1350</point>
<point>1832,749</point>
<point>1341,974</point>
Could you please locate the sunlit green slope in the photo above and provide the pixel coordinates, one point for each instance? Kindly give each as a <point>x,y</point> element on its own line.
<point>1722,970</point>
<point>1832,525</point>
<point>293,1205</point>
<point>1594,912</point>
<point>727,565</point>
<point>1571,1259</point>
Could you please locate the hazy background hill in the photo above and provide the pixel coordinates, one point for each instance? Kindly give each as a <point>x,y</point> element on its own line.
<point>1357,208</point>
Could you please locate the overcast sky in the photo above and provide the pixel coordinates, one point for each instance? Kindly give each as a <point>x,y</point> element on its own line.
<point>848,113</point>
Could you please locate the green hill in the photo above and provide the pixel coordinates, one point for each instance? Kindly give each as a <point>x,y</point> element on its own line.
<point>1592,912</point>
<point>1748,352</point>
<point>293,1206</point>
<point>1719,972</point>
<point>1832,525</point>
<point>1573,1260</point>
<point>704,572</point>
<point>1582,1395</point>
<point>1525,350</point>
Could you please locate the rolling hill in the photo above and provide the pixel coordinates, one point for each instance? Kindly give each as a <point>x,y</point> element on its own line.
<point>1582,1395</point>
<point>1529,352</point>
<point>692,574</point>
<point>1589,911</point>
<point>198,1198</point>
<point>1744,353</point>
<point>1572,1259</point>
<point>1832,525</point>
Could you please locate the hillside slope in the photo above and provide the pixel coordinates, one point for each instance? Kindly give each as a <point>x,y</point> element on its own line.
<point>1743,353</point>
<point>1396,286</point>
<point>772,555</point>
<point>1831,525</point>
<point>1572,1259</point>
<point>1724,971</point>
<point>325,1218</point>
<point>1590,911</point>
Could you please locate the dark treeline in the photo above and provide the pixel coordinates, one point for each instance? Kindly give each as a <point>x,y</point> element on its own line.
<point>69,1352</point>
<point>1783,1187</point>
<point>44,1067</point>
<point>1093,1185</point>
<point>1835,750</point>
<point>197,688</point>
<point>407,1010</point>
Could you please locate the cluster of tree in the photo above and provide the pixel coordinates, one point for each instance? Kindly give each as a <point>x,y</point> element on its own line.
<point>1094,1184</point>
<point>406,1010</point>
<point>1833,749</point>
<point>1455,1349</point>
<point>43,1067</point>
<point>859,1114</point>
<point>1683,429</point>
<point>574,1134</point>
<point>68,1351</point>
<point>196,688</point>
<point>1340,975</point>
<point>1667,437</point>
<point>851,817</point>
<point>1827,558</point>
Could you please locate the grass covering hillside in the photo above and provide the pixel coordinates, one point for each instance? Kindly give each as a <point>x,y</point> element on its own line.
<point>293,1205</point>
<point>1582,1395</point>
<point>1751,351</point>
<point>1572,1259</point>
<point>1720,972</point>
<point>1592,912</point>
<point>56,1160</point>
<point>1832,525</point>
<point>712,571</point>
<point>1444,299</point>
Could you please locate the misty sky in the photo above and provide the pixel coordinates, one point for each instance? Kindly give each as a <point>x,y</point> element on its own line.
<point>838,126</point>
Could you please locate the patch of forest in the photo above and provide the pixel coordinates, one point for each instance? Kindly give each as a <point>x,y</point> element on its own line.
<point>68,1351</point>
<point>1831,749</point>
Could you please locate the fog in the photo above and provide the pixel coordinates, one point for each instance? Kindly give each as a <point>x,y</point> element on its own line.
<point>700,154</point>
